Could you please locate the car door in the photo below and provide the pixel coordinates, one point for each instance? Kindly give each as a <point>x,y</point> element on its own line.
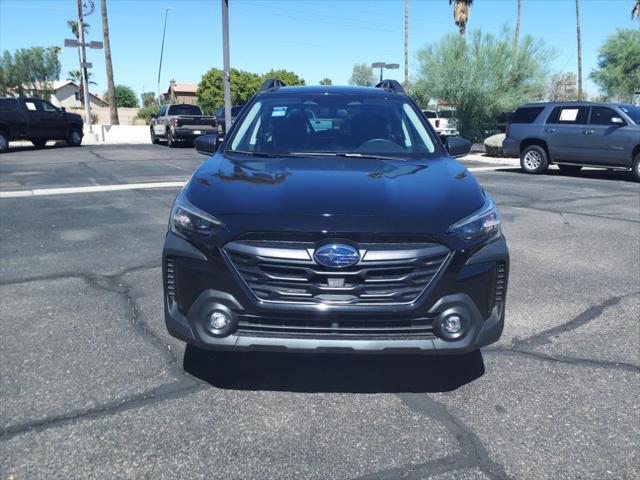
<point>34,111</point>
<point>563,133</point>
<point>53,121</point>
<point>607,141</point>
<point>158,126</point>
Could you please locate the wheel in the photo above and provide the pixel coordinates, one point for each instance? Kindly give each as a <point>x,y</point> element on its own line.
<point>635,168</point>
<point>570,169</point>
<point>39,142</point>
<point>4,142</point>
<point>171,143</point>
<point>533,159</point>
<point>154,139</point>
<point>74,139</point>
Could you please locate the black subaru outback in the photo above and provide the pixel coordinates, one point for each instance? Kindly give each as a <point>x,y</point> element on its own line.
<point>333,219</point>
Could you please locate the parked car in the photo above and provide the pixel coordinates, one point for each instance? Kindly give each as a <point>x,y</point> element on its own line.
<point>575,135</point>
<point>37,120</point>
<point>443,121</point>
<point>181,122</point>
<point>357,233</point>
<point>235,110</point>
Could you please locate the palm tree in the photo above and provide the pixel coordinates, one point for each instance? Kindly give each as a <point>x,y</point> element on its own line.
<point>73,26</point>
<point>75,76</point>
<point>461,13</point>
<point>579,50</point>
<point>517,37</point>
<point>635,11</point>
<point>113,110</point>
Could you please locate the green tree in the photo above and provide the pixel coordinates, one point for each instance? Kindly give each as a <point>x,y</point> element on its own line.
<point>618,72</point>
<point>30,71</point>
<point>326,81</point>
<point>125,97</point>
<point>289,78</point>
<point>362,75</point>
<point>482,76</point>
<point>148,98</point>
<point>461,14</point>
<point>563,87</point>
<point>75,76</point>
<point>210,89</point>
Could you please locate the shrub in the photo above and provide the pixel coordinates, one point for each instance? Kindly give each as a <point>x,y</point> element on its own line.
<point>145,113</point>
<point>493,145</point>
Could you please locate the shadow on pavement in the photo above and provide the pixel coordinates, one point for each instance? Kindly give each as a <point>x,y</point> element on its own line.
<point>342,373</point>
<point>598,174</point>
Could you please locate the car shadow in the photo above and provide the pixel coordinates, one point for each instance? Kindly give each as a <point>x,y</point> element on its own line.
<point>340,373</point>
<point>596,174</point>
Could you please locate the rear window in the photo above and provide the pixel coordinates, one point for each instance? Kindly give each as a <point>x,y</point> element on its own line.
<point>184,110</point>
<point>429,114</point>
<point>526,114</point>
<point>8,105</point>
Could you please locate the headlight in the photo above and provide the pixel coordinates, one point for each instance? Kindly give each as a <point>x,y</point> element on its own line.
<point>187,220</point>
<point>484,222</point>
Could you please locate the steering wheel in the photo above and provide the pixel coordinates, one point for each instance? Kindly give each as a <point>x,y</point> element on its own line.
<point>380,145</point>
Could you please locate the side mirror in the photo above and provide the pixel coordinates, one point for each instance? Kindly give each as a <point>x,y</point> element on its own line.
<point>617,121</point>
<point>207,144</point>
<point>63,109</point>
<point>458,146</point>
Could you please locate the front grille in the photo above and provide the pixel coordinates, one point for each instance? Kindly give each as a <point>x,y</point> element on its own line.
<point>500,279</point>
<point>170,273</point>
<point>285,272</point>
<point>335,328</point>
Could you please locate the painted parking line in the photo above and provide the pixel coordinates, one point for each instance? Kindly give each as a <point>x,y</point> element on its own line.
<point>89,189</point>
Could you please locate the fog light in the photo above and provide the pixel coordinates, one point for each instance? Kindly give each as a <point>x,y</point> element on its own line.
<point>217,321</point>
<point>452,324</point>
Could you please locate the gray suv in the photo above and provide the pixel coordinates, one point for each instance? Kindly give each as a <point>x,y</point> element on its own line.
<point>575,135</point>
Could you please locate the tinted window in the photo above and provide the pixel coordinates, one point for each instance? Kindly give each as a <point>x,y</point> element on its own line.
<point>429,114</point>
<point>33,105</point>
<point>235,111</point>
<point>569,115</point>
<point>8,105</point>
<point>632,112</point>
<point>602,116</point>
<point>47,107</point>
<point>526,114</point>
<point>447,114</point>
<point>309,124</point>
<point>184,110</point>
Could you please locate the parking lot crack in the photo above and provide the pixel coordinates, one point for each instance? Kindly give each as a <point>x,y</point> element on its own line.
<point>473,451</point>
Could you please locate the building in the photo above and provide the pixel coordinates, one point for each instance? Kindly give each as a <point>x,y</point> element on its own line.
<point>181,93</point>
<point>67,94</point>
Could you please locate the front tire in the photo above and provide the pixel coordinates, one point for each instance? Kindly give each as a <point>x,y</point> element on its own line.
<point>4,142</point>
<point>74,139</point>
<point>534,159</point>
<point>635,168</point>
<point>570,169</point>
<point>39,142</point>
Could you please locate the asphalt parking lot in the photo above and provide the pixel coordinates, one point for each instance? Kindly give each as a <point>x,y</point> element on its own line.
<point>92,386</point>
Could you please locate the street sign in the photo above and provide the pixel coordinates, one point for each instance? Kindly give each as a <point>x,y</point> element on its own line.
<point>71,43</point>
<point>88,7</point>
<point>95,45</point>
<point>391,66</point>
<point>377,65</point>
<point>86,65</point>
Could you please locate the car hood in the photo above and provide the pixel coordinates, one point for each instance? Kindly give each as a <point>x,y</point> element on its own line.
<point>439,189</point>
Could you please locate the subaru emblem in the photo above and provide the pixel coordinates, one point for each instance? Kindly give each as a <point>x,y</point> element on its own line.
<point>337,255</point>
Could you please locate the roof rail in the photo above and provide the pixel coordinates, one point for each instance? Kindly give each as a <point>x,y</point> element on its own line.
<point>271,84</point>
<point>392,85</point>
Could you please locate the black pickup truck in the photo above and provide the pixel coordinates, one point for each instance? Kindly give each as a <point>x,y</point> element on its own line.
<point>37,120</point>
<point>181,122</point>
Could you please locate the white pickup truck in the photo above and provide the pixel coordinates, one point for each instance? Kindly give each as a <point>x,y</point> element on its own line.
<point>181,123</point>
<point>443,121</point>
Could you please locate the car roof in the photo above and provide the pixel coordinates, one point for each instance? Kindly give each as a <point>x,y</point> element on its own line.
<point>581,103</point>
<point>331,89</point>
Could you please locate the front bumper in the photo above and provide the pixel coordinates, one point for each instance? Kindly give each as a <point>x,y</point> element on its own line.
<point>468,288</point>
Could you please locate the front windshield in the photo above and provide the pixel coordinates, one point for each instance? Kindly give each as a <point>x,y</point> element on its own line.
<point>333,124</point>
<point>633,112</point>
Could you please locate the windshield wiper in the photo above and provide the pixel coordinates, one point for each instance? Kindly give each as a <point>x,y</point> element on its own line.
<point>261,154</point>
<point>346,154</point>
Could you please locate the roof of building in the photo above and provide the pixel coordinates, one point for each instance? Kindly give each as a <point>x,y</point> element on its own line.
<point>183,87</point>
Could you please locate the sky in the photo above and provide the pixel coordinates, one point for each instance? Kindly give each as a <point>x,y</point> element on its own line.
<point>314,38</point>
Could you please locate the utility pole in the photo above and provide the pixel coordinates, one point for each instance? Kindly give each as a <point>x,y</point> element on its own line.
<point>406,44</point>
<point>579,50</point>
<point>83,67</point>
<point>164,31</point>
<point>225,60</point>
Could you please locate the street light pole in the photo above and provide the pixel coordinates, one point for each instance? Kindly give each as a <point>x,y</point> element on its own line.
<point>164,31</point>
<point>83,68</point>
<point>225,60</point>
